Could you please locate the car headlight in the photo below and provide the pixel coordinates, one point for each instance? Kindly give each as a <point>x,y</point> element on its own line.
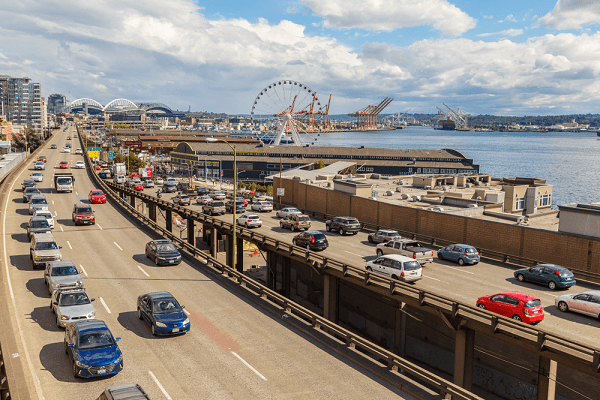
<point>92,314</point>
<point>160,325</point>
<point>187,321</point>
<point>64,317</point>
<point>80,364</point>
<point>54,285</point>
<point>119,360</point>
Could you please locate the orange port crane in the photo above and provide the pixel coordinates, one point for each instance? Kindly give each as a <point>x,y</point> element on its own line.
<point>367,117</point>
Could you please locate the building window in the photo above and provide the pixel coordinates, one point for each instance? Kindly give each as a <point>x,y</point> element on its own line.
<point>520,204</point>
<point>545,200</point>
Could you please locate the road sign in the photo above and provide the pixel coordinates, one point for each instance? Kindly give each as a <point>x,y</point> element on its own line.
<point>93,154</point>
<point>111,155</point>
<point>94,148</point>
<point>280,191</point>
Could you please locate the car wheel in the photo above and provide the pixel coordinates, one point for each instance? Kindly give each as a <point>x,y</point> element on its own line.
<point>562,306</point>
<point>481,305</point>
<point>246,225</point>
<point>327,228</point>
<point>307,247</point>
<point>461,262</point>
<point>281,226</point>
<point>292,228</point>
<point>341,231</point>
<point>294,242</point>
<point>394,277</point>
<point>58,321</point>
<point>369,269</point>
<point>66,348</point>
<point>440,256</point>
<point>354,233</point>
<point>75,370</point>
<point>521,278</point>
<point>517,318</point>
<point>370,239</point>
<point>51,308</point>
<point>552,285</point>
<point>156,260</point>
<point>147,256</point>
<point>140,314</point>
<point>379,253</point>
<point>153,329</point>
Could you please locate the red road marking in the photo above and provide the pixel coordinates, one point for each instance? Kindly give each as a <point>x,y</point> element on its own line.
<point>223,339</point>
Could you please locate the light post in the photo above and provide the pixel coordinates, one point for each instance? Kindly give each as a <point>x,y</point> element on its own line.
<point>233,262</point>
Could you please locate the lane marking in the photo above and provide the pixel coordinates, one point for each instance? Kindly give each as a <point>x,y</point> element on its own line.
<point>117,245</point>
<point>162,389</point>
<point>77,193</point>
<point>69,245</point>
<point>458,269</point>
<point>83,270</point>
<point>98,225</point>
<point>425,276</point>
<point>52,202</point>
<point>248,365</point>
<point>354,254</point>
<point>55,213</point>
<point>61,229</point>
<point>186,311</point>
<point>145,273</point>
<point>104,304</point>
<point>550,294</point>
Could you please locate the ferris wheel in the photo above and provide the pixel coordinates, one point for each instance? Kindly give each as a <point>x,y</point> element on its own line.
<point>289,107</point>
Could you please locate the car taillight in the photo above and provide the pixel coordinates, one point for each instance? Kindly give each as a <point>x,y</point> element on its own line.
<point>297,223</point>
<point>557,272</point>
<point>260,219</point>
<point>402,274</point>
<point>465,254</point>
<point>414,256</point>
<point>313,239</point>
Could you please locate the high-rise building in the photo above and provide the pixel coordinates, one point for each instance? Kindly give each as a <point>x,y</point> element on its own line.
<point>21,102</point>
<point>57,103</point>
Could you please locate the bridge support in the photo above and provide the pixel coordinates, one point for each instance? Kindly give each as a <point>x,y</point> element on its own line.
<point>400,330</point>
<point>546,388</point>
<point>286,270</point>
<point>191,235</point>
<point>132,200</point>
<point>271,270</point>
<point>169,220</point>
<point>152,211</point>
<point>464,350</point>
<point>214,241</point>
<point>240,255</point>
<point>331,297</point>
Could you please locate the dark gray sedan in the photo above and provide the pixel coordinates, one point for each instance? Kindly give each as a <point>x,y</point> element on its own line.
<point>587,303</point>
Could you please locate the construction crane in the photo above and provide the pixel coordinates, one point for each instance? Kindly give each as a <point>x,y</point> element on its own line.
<point>367,117</point>
<point>460,118</point>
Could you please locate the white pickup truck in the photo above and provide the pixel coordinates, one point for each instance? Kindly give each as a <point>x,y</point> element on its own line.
<point>406,247</point>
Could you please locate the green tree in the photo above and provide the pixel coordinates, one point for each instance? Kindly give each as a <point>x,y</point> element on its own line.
<point>133,161</point>
<point>320,164</point>
<point>270,189</point>
<point>33,140</point>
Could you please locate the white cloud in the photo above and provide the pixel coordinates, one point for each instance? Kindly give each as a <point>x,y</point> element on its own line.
<point>389,15</point>
<point>511,18</point>
<point>508,32</point>
<point>572,14</point>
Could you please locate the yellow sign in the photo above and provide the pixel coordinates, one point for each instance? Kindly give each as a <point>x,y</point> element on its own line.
<point>93,154</point>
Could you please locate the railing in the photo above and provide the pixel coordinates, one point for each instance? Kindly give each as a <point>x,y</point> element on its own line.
<point>4,170</point>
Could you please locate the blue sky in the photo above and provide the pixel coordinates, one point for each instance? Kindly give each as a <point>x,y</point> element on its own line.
<point>505,58</point>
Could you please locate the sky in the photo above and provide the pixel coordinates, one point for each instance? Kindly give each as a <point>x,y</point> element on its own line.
<point>510,57</point>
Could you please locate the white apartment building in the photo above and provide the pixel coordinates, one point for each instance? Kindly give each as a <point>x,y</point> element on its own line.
<point>21,102</point>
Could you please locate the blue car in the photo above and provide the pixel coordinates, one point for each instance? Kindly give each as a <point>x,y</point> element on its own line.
<point>92,349</point>
<point>460,253</point>
<point>164,314</point>
<point>553,276</point>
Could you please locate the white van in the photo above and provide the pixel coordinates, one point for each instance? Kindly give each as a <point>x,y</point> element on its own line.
<point>120,178</point>
<point>396,266</point>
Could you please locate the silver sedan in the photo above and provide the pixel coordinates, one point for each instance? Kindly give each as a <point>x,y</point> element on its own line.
<point>71,305</point>
<point>287,212</point>
<point>587,303</point>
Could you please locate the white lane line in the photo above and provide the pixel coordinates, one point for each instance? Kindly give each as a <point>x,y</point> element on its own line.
<point>425,276</point>
<point>162,389</point>
<point>458,269</point>
<point>52,202</point>
<point>117,245</point>
<point>104,304</point>
<point>354,254</point>
<point>248,365</point>
<point>77,193</point>
<point>98,225</point>
<point>61,229</point>
<point>550,294</point>
<point>36,381</point>
<point>186,311</point>
<point>55,213</point>
<point>141,269</point>
<point>83,270</point>
<point>69,245</point>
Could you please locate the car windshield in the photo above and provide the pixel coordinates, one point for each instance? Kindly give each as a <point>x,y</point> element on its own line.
<point>218,204</point>
<point>391,234</point>
<point>411,265</point>
<point>32,190</point>
<point>94,340</point>
<point>38,201</point>
<point>303,219</point>
<point>469,250</point>
<point>46,246</point>
<point>63,181</point>
<point>566,272</point>
<point>165,306</point>
<point>253,217</point>
<point>84,210</point>
<point>97,193</point>
<point>533,303</point>
<point>39,224</point>
<point>73,299</point>
<point>319,236</point>
<point>166,247</point>
<point>64,271</point>
<point>293,210</point>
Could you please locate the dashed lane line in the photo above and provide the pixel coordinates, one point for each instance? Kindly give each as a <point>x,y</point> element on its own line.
<point>162,389</point>
<point>457,269</point>
<point>428,277</point>
<point>248,365</point>
<point>117,245</point>
<point>98,225</point>
<point>69,245</point>
<point>186,312</point>
<point>61,229</point>
<point>141,269</point>
<point>104,304</point>
<point>354,254</point>
<point>83,270</point>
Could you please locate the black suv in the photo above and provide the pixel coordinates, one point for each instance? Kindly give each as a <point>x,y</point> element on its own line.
<point>203,191</point>
<point>312,240</point>
<point>343,225</point>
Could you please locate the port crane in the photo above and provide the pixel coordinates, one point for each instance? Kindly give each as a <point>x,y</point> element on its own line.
<point>460,117</point>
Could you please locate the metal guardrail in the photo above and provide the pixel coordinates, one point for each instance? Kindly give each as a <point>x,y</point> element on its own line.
<point>497,324</point>
<point>5,169</point>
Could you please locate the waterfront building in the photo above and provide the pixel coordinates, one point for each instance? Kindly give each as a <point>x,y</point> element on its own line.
<point>21,102</point>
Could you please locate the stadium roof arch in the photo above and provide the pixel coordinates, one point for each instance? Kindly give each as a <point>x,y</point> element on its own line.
<point>90,102</point>
<point>120,102</point>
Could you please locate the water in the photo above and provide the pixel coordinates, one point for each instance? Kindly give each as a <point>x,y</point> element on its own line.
<point>569,161</point>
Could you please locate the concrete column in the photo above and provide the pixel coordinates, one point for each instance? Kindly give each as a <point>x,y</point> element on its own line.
<point>132,200</point>
<point>546,389</point>
<point>271,269</point>
<point>400,331</point>
<point>464,350</point>
<point>240,255</point>
<point>331,297</point>
<point>152,211</point>
<point>169,220</point>
<point>214,241</point>
<point>286,267</point>
<point>229,256</point>
<point>191,235</point>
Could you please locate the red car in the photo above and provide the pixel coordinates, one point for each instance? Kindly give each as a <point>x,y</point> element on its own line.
<point>244,200</point>
<point>63,165</point>
<point>134,175</point>
<point>138,187</point>
<point>515,305</point>
<point>97,196</point>
<point>42,158</point>
<point>83,214</point>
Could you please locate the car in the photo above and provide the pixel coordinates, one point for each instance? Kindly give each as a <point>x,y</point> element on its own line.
<point>78,151</point>
<point>66,150</point>
<point>43,249</point>
<point>587,303</point>
<point>343,225</point>
<point>68,137</point>
<point>63,165</point>
<point>27,183</point>
<point>148,183</point>
<point>286,212</point>
<point>79,164</point>
<point>172,181</point>
<point>312,240</point>
<point>164,314</point>
<point>124,391</point>
<point>42,158</point>
<point>39,165</point>
<point>239,206</point>
<point>37,224</point>
<point>396,266</point>
<point>61,274</point>
<point>83,214</point>
<point>202,191</point>
<point>245,201</point>
<point>181,199</point>
<point>71,304</point>
<point>214,207</point>
<point>460,253</point>
<point>137,186</point>
<point>47,215</point>
<point>92,349</point>
<point>203,199</point>
<point>169,188</point>
<point>69,146</point>
<point>163,251</point>
<point>158,181</point>
<point>28,192</point>
<point>135,175</point>
<point>553,276</point>
<point>38,202</point>
<point>262,206</point>
<point>249,220</point>
<point>516,305</point>
<point>295,222</point>
<point>383,235</point>
<point>53,146</point>
<point>218,195</point>
<point>37,176</point>
<point>96,196</point>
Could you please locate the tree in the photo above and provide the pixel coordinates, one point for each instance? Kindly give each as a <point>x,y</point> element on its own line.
<point>34,140</point>
<point>320,164</point>
<point>134,162</point>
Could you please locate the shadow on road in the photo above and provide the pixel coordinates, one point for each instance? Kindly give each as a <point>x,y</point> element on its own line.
<point>38,288</point>
<point>20,237</point>
<point>55,361</point>
<point>23,211</point>
<point>142,259</point>
<point>22,262</point>
<point>44,317</point>
<point>129,320</point>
